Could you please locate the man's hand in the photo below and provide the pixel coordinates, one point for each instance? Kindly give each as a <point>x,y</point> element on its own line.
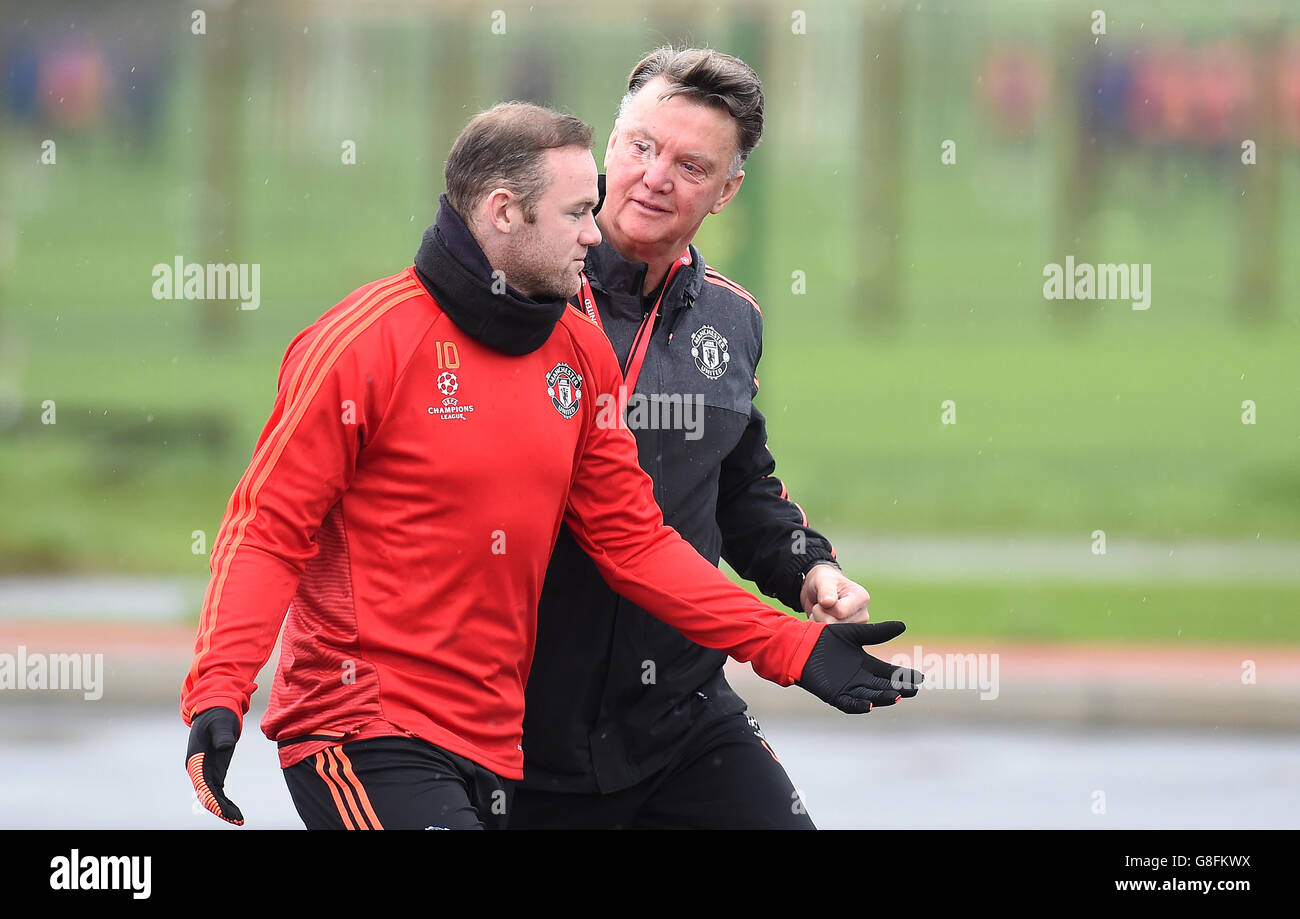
<point>213,733</point>
<point>841,674</point>
<point>828,596</point>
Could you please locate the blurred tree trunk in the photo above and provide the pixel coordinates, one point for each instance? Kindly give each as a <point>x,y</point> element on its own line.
<point>1079,156</point>
<point>1260,232</point>
<point>672,22</point>
<point>453,86</point>
<point>880,142</point>
<point>749,212</point>
<point>222,94</point>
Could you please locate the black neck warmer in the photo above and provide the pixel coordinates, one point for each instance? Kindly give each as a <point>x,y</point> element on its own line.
<point>453,268</point>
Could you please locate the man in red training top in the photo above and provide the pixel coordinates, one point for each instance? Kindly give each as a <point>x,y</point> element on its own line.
<point>429,436</point>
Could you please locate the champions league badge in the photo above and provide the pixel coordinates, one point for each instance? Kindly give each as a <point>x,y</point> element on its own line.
<point>710,352</point>
<point>564,386</point>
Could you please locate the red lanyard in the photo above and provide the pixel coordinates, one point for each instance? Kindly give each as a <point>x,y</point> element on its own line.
<point>640,344</point>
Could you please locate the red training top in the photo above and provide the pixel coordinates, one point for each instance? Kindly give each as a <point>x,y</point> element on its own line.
<point>402,504</point>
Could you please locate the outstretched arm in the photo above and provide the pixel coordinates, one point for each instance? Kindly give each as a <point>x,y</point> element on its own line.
<point>613,517</point>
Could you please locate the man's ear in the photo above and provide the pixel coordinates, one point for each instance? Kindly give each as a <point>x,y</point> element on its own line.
<point>729,189</point>
<point>499,210</point>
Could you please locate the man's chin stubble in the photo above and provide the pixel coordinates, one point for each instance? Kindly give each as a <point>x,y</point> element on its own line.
<point>546,294</point>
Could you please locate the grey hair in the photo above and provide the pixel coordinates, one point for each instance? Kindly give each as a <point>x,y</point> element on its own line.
<point>711,78</point>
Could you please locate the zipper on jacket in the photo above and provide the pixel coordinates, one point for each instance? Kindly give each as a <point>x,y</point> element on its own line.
<point>687,300</point>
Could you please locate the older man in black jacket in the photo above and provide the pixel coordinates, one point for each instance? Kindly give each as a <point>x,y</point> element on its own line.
<point>629,724</point>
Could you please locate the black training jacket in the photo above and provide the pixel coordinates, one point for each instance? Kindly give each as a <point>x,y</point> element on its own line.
<point>612,690</point>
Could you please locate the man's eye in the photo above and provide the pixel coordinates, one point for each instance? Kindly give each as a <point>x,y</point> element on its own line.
<point>693,169</point>
<point>640,146</point>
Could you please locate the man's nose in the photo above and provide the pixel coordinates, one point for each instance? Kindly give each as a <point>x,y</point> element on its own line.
<point>590,235</point>
<point>656,176</point>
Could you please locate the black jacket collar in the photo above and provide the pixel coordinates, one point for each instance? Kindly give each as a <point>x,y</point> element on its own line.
<point>453,268</point>
<point>613,274</point>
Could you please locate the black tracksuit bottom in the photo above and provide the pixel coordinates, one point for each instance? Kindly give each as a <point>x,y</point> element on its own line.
<point>725,777</point>
<point>401,783</point>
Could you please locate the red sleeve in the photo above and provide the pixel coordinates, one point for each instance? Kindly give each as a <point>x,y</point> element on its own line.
<point>329,401</point>
<point>614,518</point>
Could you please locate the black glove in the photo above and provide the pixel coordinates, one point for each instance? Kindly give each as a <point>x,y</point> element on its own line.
<point>840,673</point>
<point>213,733</point>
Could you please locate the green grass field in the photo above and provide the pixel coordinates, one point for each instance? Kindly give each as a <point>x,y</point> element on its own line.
<point>1048,611</point>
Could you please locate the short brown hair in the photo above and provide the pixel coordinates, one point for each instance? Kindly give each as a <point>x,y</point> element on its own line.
<point>504,148</point>
<point>712,78</point>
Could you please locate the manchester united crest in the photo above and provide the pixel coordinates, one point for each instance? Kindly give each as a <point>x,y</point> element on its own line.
<point>709,349</point>
<point>564,386</point>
